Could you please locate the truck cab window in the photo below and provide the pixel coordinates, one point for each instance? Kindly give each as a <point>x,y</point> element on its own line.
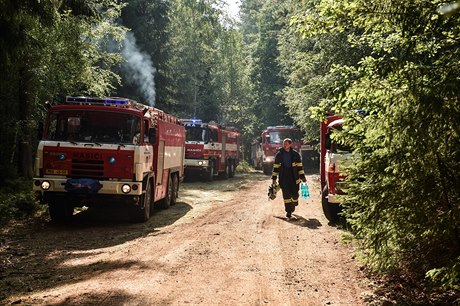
<point>146,131</point>
<point>196,133</point>
<point>92,126</point>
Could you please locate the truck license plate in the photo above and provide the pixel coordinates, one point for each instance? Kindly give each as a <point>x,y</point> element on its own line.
<point>56,171</point>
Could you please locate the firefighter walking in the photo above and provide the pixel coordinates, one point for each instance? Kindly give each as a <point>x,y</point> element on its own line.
<point>289,169</point>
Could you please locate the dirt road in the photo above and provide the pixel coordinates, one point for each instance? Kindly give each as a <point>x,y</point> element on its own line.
<point>224,243</point>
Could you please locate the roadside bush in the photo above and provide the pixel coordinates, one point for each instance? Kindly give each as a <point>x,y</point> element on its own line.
<point>16,201</point>
<point>244,167</point>
<point>403,199</point>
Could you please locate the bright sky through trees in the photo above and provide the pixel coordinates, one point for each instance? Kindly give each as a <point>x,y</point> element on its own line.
<point>233,8</point>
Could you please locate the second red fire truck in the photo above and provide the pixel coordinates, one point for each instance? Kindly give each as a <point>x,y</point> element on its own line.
<point>210,149</point>
<point>101,151</point>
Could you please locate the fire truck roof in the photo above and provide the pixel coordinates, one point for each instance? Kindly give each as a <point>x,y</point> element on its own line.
<point>99,101</point>
<point>281,127</point>
<point>335,123</point>
<point>119,102</point>
<point>212,124</point>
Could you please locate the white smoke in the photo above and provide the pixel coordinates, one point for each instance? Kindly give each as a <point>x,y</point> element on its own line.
<point>138,68</point>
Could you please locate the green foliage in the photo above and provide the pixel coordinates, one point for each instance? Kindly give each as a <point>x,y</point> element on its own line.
<point>148,21</point>
<point>288,61</point>
<point>17,201</point>
<point>50,49</point>
<point>403,200</point>
<point>194,29</point>
<point>262,103</point>
<point>310,61</point>
<point>244,167</point>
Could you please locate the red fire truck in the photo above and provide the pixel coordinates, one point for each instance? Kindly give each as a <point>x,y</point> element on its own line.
<point>210,149</point>
<point>272,139</point>
<point>333,156</point>
<point>99,151</point>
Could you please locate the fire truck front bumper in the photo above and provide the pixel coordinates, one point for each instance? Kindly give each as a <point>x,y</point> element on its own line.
<point>61,185</point>
<point>332,198</point>
<point>340,188</point>
<point>201,164</point>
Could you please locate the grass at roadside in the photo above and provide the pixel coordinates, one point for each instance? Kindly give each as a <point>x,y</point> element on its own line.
<point>244,167</point>
<point>17,201</point>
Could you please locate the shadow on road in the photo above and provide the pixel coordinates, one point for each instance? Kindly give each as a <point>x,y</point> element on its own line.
<point>301,221</point>
<point>32,258</point>
<point>39,256</point>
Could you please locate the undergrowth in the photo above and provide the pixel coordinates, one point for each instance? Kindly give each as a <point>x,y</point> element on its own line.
<point>17,201</point>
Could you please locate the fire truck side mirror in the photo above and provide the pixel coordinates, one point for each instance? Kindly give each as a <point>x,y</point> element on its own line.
<point>153,135</point>
<point>267,138</point>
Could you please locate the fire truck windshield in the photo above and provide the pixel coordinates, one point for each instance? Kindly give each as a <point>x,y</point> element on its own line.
<point>279,136</point>
<point>196,133</point>
<point>93,126</point>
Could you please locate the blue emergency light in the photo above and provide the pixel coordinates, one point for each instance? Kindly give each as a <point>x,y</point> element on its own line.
<point>101,101</point>
<point>192,122</point>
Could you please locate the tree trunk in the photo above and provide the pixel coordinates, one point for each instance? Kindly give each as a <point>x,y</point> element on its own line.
<point>25,115</point>
<point>25,158</point>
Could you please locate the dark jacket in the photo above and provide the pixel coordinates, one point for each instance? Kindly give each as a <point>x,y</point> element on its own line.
<point>294,173</point>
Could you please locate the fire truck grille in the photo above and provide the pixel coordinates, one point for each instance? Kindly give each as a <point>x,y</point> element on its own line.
<point>87,168</point>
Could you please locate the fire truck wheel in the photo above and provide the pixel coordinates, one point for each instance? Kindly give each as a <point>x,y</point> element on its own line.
<point>267,169</point>
<point>166,202</point>
<point>209,175</point>
<point>175,188</point>
<point>231,171</point>
<point>143,212</point>
<point>331,210</point>
<point>60,212</point>
<point>226,173</point>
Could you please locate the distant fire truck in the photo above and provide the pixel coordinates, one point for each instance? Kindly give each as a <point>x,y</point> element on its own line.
<point>272,140</point>
<point>210,149</point>
<point>257,155</point>
<point>99,151</point>
<point>332,157</point>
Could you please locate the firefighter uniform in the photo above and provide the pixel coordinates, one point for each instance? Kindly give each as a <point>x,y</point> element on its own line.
<point>288,166</point>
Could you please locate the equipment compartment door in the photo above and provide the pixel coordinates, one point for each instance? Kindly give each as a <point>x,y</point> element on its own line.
<point>222,155</point>
<point>161,161</point>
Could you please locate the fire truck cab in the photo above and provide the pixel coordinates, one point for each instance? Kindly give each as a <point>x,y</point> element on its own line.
<point>210,149</point>
<point>101,151</point>
<point>272,140</point>
<point>333,156</point>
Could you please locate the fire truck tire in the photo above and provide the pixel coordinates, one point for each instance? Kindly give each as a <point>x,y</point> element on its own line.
<point>143,212</point>
<point>331,210</point>
<point>267,169</point>
<point>60,212</point>
<point>175,188</point>
<point>166,201</point>
<point>226,173</point>
<point>209,174</point>
<point>231,171</point>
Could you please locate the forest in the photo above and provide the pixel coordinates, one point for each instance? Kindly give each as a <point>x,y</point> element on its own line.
<point>281,62</point>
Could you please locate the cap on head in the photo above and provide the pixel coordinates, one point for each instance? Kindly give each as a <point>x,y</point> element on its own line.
<point>288,140</point>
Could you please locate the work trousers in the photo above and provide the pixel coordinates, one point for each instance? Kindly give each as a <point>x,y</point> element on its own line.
<point>290,191</point>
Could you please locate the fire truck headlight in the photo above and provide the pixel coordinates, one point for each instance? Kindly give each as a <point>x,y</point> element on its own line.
<point>200,163</point>
<point>125,188</point>
<point>112,160</point>
<point>45,185</point>
<point>269,159</point>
